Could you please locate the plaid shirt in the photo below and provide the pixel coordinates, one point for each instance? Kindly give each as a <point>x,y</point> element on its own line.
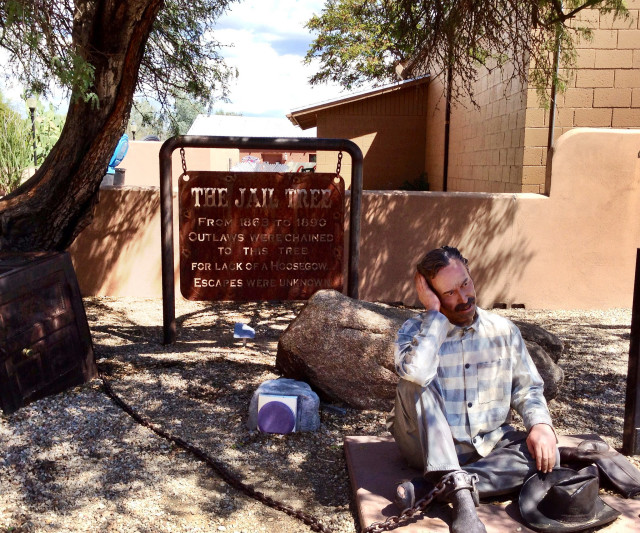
<point>481,371</point>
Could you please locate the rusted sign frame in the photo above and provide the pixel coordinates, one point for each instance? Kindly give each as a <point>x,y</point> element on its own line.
<point>631,429</point>
<point>255,143</point>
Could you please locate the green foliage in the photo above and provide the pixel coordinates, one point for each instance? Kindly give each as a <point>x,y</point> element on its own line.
<point>148,120</point>
<point>361,41</point>
<point>37,35</point>
<point>182,58</point>
<point>355,41</point>
<point>183,55</point>
<point>16,141</point>
<point>164,123</point>
<point>419,184</point>
<point>151,120</point>
<point>45,41</point>
<point>16,152</point>
<point>185,112</point>
<point>49,126</point>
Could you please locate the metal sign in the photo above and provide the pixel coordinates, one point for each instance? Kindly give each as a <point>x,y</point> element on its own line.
<point>260,236</point>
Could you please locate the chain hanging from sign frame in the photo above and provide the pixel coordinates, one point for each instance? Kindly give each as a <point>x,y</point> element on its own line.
<point>258,143</point>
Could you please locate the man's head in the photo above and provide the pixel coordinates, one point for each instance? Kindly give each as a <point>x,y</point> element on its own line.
<point>447,274</point>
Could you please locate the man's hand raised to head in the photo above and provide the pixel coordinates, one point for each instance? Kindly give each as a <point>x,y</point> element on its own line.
<point>427,297</point>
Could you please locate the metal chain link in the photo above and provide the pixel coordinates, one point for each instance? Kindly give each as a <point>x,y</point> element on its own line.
<point>312,521</point>
<point>184,161</point>
<point>230,478</point>
<point>393,521</point>
<point>339,164</point>
<point>445,487</point>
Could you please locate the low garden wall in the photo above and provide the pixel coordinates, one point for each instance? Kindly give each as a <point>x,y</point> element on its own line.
<point>574,249</point>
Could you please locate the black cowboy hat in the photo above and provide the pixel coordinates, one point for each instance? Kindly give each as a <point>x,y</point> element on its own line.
<point>564,500</point>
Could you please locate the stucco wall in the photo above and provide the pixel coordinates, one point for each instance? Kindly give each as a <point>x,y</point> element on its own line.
<point>119,253</point>
<point>574,249</point>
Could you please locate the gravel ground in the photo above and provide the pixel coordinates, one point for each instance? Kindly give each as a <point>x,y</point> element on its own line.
<point>76,462</point>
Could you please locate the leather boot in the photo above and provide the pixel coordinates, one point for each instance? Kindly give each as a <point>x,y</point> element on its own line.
<point>613,467</point>
<point>461,492</point>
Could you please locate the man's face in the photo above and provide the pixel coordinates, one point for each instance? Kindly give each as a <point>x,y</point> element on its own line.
<point>454,287</point>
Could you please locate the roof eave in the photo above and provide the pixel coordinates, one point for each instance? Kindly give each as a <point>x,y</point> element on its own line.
<point>307,117</point>
<point>303,120</point>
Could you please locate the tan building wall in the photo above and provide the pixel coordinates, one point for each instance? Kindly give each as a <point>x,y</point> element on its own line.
<point>574,249</point>
<point>390,131</point>
<point>487,142</point>
<point>142,163</point>
<point>599,95</point>
<point>501,145</point>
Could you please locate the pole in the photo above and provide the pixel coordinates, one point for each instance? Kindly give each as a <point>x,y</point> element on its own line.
<point>447,129</point>
<point>631,430</point>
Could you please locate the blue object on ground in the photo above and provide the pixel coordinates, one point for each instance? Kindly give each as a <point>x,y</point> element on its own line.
<point>242,331</point>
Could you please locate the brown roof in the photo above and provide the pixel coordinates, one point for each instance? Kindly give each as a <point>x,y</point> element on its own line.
<point>307,117</point>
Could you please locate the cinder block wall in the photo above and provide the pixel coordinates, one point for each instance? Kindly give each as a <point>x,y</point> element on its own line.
<point>501,145</point>
<point>487,142</point>
<point>604,91</point>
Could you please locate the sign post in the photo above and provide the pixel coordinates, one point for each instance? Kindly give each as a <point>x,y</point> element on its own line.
<point>631,430</point>
<point>304,212</point>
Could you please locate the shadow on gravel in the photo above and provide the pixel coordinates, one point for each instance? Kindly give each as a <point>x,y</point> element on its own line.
<point>199,390</point>
<point>595,363</point>
<point>195,389</point>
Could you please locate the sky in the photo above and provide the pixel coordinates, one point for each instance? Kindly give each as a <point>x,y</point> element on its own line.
<point>266,41</point>
<point>269,43</point>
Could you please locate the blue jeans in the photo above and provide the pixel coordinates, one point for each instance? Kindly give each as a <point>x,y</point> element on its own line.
<point>420,429</point>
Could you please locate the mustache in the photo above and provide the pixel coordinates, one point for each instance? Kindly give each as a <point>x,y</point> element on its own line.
<point>462,307</point>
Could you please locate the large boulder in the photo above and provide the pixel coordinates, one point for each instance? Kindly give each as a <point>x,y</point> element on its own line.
<point>550,372</point>
<point>532,333</point>
<point>343,348</point>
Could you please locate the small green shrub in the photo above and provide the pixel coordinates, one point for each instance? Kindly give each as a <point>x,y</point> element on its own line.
<point>16,152</point>
<point>419,184</point>
<point>49,125</point>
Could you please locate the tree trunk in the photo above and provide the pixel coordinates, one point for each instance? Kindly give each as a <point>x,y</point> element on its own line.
<point>49,210</point>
